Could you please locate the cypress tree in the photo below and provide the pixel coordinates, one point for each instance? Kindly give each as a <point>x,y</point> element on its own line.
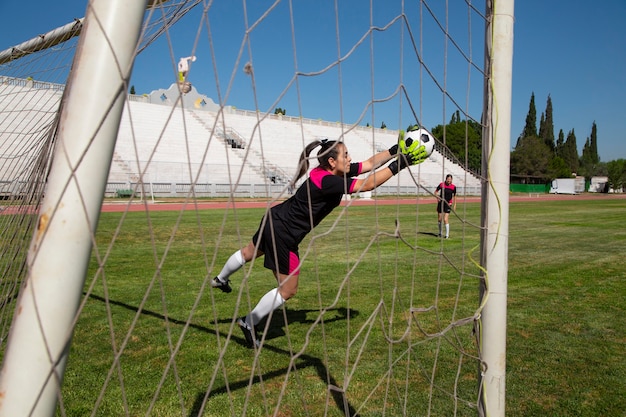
<point>560,143</point>
<point>548,125</point>
<point>593,144</point>
<point>570,151</point>
<point>530,129</point>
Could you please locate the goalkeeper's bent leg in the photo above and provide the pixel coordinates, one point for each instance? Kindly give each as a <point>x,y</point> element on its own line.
<point>268,303</point>
<point>232,265</point>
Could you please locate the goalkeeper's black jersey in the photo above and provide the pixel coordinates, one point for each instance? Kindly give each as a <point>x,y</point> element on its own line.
<point>314,200</point>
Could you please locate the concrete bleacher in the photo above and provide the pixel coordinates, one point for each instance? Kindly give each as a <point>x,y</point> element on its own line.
<point>271,147</point>
<point>170,147</point>
<point>283,138</point>
<point>170,144</point>
<point>26,113</point>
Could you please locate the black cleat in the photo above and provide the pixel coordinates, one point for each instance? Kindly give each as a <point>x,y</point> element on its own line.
<point>248,333</point>
<point>224,286</point>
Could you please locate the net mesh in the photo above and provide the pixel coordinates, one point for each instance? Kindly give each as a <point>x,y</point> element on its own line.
<point>383,323</point>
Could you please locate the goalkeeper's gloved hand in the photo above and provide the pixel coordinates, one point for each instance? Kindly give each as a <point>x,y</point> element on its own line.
<point>396,147</point>
<point>403,145</point>
<point>401,162</point>
<point>414,157</point>
<point>407,146</point>
<point>412,147</point>
<point>417,156</point>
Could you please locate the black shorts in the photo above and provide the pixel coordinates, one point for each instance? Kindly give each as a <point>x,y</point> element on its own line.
<point>280,249</point>
<point>443,207</point>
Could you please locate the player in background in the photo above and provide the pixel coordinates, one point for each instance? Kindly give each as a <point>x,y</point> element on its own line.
<point>285,225</point>
<point>446,200</point>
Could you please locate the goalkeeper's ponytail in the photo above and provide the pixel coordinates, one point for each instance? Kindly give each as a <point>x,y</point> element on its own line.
<point>329,150</point>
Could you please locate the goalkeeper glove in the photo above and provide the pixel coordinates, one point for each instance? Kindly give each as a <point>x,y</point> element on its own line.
<point>419,155</point>
<point>401,142</point>
<point>407,159</point>
<point>412,147</point>
<point>407,146</point>
<point>394,149</point>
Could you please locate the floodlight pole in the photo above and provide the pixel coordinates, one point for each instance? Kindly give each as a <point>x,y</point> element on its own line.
<point>58,258</point>
<point>495,207</point>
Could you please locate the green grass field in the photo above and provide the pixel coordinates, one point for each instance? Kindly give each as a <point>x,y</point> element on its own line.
<point>566,353</point>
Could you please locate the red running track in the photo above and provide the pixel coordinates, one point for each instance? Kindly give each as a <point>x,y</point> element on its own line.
<point>109,207</point>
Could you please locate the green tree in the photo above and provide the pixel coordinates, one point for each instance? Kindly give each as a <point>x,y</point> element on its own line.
<point>383,125</point>
<point>560,144</point>
<point>542,122</point>
<point>531,159</point>
<point>132,89</point>
<point>557,168</point>
<point>616,173</point>
<point>585,158</point>
<point>590,161</point>
<point>570,152</point>
<point>593,143</point>
<point>280,111</point>
<point>546,126</point>
<point>464,140</point>
<point>530,129</point>
<point>456,117</point>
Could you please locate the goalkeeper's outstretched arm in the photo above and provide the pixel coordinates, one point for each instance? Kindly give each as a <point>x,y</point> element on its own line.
<point>383,175</point>
<point>379,159</point>
<point>383,157</point>
<point>373,180</point>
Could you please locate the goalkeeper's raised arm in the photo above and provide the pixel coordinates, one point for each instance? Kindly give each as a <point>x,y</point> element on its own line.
<point>402,156</point>
<point>379,159</point>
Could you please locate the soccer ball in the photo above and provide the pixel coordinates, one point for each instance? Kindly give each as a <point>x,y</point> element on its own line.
<point>422,136</point>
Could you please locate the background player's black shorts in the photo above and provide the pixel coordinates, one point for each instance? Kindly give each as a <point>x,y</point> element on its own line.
<point>443,207</point>
<point>280,249</point>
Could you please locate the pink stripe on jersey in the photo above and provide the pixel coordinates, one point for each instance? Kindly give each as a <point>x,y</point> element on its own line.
<point>294,264</point>
<point>353,183</point>
<point>317,174</point>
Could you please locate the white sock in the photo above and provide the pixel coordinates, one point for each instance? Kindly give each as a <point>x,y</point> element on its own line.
<point>268,303</point>
<point>447,229</point>
<point>439,228</point>
<point>232,265</point>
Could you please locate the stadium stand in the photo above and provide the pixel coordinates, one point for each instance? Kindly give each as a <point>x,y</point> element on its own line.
<point>164,149</point>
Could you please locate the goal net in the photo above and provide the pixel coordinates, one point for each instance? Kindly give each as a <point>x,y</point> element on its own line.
<point>118,207</point>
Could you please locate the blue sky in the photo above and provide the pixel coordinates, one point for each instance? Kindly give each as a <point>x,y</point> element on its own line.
<point>568,50</point>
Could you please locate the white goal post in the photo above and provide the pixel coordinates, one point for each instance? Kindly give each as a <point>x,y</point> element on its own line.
<point>495,208</point>
<point>41,333</point>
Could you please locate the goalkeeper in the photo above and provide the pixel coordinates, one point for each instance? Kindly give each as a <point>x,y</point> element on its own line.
<point>285,225</point>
